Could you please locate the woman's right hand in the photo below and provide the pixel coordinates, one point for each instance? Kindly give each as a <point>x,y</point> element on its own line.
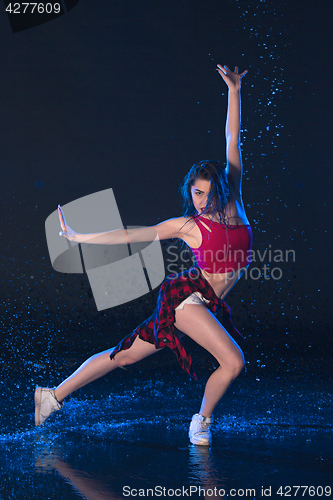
<point>66,231</point>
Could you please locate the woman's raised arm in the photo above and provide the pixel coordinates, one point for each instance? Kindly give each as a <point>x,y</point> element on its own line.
<point>232,130</point>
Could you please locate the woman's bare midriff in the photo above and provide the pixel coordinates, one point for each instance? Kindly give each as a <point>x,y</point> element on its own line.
<point>222,283</point>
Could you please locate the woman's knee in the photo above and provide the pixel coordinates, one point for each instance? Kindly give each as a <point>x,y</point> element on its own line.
<point>235,363</point>
<point>125,358</point>
<point>239,364</point>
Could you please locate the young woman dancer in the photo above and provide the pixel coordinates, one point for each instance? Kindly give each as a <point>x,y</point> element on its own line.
<point>215,227</point>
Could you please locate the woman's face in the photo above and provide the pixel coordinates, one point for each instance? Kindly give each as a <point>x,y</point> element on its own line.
<point>199,192</point>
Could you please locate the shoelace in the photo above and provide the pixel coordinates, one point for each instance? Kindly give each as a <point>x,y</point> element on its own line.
<point>204,428</point>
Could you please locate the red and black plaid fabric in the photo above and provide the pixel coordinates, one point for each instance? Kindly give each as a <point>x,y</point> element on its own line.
<point>159,329</point>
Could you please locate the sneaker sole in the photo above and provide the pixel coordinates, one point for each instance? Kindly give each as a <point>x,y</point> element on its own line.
<point>201,442</point>
<point>38,403</point>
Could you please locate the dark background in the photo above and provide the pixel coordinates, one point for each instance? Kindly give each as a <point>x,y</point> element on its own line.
<point>124,95</point>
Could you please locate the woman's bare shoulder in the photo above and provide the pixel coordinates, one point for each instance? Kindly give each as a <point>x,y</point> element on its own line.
<point>173,228</point>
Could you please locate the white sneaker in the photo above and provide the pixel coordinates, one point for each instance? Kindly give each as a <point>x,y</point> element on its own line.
<point>199,432</point>
<point>45,404</point>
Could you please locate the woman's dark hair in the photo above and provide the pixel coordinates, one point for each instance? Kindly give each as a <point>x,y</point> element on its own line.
<point>218,196</point>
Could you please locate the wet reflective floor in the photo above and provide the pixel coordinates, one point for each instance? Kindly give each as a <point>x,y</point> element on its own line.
<point>125,436</point>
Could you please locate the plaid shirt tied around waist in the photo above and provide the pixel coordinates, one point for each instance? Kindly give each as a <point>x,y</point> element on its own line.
<point>160,330</point>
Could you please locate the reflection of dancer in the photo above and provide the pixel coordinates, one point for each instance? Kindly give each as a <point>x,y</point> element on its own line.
<point>88,487</point>
<point>201,467</point>
<point>216,228</point>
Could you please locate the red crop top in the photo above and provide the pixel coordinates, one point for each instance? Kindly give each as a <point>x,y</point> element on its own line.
<point>224,248</point>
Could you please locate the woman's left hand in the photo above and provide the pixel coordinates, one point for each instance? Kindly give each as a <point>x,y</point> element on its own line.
<point>231,78</point>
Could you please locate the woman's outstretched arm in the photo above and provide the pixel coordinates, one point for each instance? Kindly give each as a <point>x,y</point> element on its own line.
<point>168,229</point>
<point>232,131</point>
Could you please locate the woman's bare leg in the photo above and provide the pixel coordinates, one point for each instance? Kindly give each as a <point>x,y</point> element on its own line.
<point>100,364</point>
<point>200,324</point>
